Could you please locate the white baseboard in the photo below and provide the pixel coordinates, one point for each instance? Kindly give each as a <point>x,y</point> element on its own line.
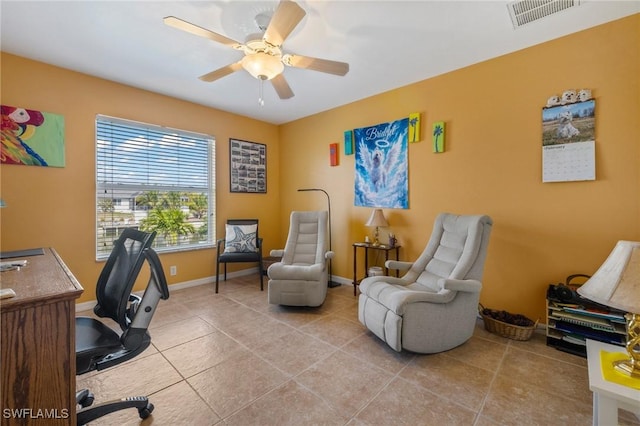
<point>341,280</point>
<point>86,306</point>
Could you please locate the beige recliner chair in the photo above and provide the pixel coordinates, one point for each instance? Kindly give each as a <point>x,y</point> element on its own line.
<point>433,307</point>
<point>301,277</point>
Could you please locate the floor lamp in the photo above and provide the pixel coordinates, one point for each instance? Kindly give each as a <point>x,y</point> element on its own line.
<point>331,283</point>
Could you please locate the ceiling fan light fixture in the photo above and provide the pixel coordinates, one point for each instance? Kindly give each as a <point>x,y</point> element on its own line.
<point>263,57</point>
<point>262,65</point>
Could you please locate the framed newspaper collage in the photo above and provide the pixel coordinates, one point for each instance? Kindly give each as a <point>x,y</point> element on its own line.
<point>248,166</point>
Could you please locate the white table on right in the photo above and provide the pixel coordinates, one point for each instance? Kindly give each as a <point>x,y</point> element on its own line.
<point>608,396</point>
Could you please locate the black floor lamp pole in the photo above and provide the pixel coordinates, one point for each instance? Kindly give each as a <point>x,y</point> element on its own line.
<point>331,283</point>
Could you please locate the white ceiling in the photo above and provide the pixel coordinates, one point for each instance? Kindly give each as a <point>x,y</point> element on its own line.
<point>388,44</point>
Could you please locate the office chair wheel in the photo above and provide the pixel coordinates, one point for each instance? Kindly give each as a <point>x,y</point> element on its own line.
<point>84,398</point>
<point>146,411</point>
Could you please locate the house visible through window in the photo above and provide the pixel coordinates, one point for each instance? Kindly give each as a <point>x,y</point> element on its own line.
<point>154,178</point>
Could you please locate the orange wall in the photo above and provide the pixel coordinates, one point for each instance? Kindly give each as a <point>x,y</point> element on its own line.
<point>543,232</point>
<point>492,164</point>
<point>55,207</point>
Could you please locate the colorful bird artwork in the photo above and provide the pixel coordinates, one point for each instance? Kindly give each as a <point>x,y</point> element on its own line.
<point>24,140</point>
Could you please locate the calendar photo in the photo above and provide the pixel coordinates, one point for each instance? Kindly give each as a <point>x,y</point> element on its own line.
<point>569,123</point>
<point>568,142</point>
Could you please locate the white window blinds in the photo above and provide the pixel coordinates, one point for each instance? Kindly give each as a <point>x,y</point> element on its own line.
<point>155,179</point>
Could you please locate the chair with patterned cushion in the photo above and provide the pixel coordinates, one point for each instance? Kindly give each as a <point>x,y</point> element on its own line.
<point>433,307</point>
<point>242,243</point>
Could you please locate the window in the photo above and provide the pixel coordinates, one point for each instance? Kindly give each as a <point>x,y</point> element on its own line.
<point>154,178</point>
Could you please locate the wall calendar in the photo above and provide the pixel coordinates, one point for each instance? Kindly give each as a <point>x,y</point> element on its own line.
<point>568,142</point>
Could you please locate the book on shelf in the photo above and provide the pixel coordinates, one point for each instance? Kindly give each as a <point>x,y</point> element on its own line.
<point>597,313</point>
<point>590,321</point>
<point>565,305</point>
<point>575,339</point>
<point>594,322</point>
<point>589,332</point>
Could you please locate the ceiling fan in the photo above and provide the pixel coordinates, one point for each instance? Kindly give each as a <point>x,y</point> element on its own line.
<point>263,55</point>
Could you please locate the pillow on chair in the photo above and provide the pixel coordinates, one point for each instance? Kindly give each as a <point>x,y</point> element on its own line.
<point>241,239</point>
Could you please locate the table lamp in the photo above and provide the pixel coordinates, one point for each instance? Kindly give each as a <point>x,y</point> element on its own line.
<point>376,219</point>
<point>617,284</point>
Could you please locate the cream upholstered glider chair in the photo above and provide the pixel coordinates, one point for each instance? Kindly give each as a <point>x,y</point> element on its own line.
<point>434,305</point>
<point>301,277</point>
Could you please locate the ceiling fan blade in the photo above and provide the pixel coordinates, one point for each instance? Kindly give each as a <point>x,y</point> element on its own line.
<point>221,72</point>
<point>183,25</point>
<point>282,87</point>
<point>316,64</point>
<point>284,20</point>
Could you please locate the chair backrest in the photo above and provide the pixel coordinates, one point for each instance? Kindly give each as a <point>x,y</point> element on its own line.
<point>142,310</point>
<point>135,337</point>
<point>119,274</point>
<point>457,249</point>
<point>307,240</point>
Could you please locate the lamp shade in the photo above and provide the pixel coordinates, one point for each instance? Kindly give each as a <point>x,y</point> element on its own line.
<point>262,65</point>
<point>377,219</point>
<point>617,282</point>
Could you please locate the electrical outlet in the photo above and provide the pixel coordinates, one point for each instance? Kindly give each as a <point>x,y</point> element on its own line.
<point>173,270</point>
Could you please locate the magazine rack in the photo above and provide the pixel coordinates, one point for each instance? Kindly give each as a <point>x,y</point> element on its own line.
<point>570,323</point>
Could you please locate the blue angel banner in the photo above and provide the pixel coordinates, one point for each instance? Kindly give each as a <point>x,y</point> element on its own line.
<point>381,165</point>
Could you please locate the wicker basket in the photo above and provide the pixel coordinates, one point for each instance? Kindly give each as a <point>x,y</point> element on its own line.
<point>511,331</point>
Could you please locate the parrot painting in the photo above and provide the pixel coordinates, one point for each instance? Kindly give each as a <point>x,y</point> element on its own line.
<point>18,125</point>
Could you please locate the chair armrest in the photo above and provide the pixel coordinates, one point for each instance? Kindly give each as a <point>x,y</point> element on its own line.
<point>396,300</point>
<point>276,253</point>
<point>443,296</point>
<point>470,286</point>
<point>329,255</point>
<point>398,264</point>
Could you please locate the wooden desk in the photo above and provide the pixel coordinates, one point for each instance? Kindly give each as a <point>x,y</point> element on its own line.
<point>367,247</point>
<point>38,343</point>
<point>608,396</point>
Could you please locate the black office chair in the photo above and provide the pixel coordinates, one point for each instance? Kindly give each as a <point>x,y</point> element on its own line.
<point>97,345</point>
<point>239,248</point>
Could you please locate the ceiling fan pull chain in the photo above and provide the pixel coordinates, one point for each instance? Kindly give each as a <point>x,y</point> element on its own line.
<point>261,92</point>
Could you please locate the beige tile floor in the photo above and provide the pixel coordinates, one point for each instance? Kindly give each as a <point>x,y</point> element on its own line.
<point>232,359</point>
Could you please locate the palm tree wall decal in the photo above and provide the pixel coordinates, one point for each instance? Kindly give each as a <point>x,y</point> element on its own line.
<point>438,136</point>
<point>414,127</point>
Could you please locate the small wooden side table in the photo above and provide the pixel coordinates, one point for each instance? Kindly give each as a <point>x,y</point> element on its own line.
<point>608,396</point>
<point>268,261</point>
<point>368,246</point>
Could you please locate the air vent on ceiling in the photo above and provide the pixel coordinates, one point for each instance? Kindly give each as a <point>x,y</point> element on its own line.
<point>523,12</point>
